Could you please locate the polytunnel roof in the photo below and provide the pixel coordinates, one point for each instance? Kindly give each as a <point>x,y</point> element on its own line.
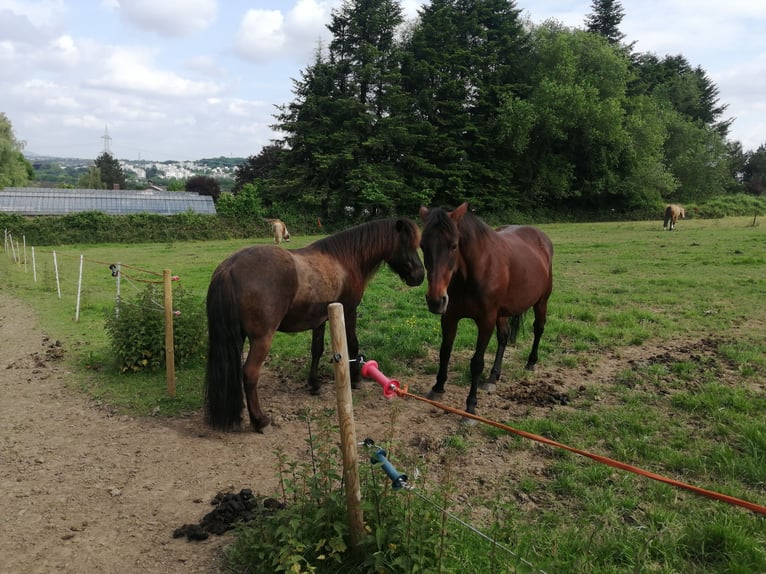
<point>54,201</point>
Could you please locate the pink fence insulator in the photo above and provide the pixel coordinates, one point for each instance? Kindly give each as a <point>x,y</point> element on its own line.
<point>370,371</point>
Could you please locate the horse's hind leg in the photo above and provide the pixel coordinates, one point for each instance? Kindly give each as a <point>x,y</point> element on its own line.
<point>541,313</point>
<point>250,373</point>
<point>317,348</point>
<point>503,336</point>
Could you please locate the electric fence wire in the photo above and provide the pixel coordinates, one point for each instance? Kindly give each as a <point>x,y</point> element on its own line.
<point>473,529</point>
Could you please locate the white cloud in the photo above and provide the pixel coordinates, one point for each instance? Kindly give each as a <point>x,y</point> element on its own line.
<point>261,35</point>
<point>265,35</point>
<point>45,13</point>
<point>206,65</point>
<point>170,17</point>
<point>131,70</point>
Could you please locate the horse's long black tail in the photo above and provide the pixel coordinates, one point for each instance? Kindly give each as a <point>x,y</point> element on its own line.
<point>223,377</point>
<point>668,215</point>
<point>516,323</point>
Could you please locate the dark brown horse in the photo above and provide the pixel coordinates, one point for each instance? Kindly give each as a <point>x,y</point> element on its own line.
<point>490,276</point>
<point>260,290</point>
<point>672,213</point>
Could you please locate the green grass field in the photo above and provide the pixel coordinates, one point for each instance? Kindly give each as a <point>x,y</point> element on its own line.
<point>618,287</point>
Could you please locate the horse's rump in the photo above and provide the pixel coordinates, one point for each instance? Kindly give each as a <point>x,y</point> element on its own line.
<point>672,213</point>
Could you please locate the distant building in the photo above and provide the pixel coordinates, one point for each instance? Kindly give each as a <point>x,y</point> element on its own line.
<point>56,201</point>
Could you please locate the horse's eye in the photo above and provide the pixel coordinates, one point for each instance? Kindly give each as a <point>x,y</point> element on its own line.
<point>453,246</point>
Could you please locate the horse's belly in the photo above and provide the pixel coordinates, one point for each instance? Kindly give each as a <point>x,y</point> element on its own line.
<point>304,317</point>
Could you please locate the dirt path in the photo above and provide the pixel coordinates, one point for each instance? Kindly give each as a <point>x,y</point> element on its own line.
<point>86,489</point>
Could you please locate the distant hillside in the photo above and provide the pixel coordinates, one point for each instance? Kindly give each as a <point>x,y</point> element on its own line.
<point>64,171</point>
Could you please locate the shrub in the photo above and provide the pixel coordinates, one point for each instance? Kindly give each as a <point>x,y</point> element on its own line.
<point>137,332</point>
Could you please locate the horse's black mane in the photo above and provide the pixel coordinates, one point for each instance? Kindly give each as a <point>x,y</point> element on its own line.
<point>376,237</point>
<point>471,226</point>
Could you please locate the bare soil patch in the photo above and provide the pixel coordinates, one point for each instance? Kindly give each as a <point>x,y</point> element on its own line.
<point>85,488</point>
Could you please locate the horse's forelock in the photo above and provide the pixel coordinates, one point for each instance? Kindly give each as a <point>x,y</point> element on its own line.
<point>439,220</point>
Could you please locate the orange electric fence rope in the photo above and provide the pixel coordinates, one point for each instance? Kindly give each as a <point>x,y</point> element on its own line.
<point>392,387</point>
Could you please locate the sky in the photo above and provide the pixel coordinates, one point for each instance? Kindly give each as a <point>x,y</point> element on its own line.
<point>193,79</point>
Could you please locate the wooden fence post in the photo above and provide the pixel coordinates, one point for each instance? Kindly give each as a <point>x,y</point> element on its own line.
<point>170,354</point>
<point>346,419</point>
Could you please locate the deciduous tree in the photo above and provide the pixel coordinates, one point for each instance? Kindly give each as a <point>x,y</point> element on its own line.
<point>15,170</point>
<point>204,185</point>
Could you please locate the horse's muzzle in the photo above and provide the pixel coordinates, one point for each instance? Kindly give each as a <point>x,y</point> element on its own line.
<point>415,278</point>
<point>438,306</point>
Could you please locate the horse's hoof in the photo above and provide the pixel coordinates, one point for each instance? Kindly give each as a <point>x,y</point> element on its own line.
<point>316,391</point>
<point>469,422</point>
<point>530,367</point>
<point>435,395</point>
<point>356,384</point>
<point>488,387</point>
<point>265,429</point>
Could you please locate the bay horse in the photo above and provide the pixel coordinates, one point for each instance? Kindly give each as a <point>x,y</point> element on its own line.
<point>279,229</point>
<point>672,213</point>
<point>263,289</point>
<point>492,276</point>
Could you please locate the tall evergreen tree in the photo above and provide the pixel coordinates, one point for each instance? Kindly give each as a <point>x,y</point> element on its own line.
<point>605,20</point>
<point>465,59</point>
<point>111,172</point>
<point>341,140</point>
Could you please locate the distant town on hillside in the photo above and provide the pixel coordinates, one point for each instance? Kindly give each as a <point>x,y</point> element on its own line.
<point>64,172</point>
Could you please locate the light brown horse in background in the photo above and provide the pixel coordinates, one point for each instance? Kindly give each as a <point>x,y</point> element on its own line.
<point>672,213</point>
<point>280,230</point>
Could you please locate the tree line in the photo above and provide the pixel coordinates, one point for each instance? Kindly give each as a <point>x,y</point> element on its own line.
<point>472,102</point>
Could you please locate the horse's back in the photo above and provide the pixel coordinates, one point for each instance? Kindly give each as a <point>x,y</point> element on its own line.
<point>527,239</point>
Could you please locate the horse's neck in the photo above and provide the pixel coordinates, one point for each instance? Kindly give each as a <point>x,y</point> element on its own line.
<point>364,253</point>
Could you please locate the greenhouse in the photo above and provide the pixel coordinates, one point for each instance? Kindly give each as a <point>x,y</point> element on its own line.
<point>50,201</point>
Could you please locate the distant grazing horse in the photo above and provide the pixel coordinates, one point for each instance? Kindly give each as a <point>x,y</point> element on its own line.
<point>260,290</point>
<point>672,213</point>
<point>486,275</point>
<point>280,230</point>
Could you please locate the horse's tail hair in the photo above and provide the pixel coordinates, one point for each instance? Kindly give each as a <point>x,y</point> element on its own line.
<point>223,377</point>
<point>668,215</point>
<point>516,323</point>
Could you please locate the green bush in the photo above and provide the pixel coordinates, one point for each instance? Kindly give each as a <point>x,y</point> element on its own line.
<point>137,331</point>
<point>405,533</point>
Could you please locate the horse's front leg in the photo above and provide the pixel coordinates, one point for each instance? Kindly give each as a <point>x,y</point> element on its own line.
<point>317,349</point>
<point>353,348</point>
<point>477,365</point>
<point>449,330</point>
<point>503,335</point>
<point>251,371</point>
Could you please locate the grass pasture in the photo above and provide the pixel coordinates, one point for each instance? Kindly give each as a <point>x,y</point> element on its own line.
<point>659,339</point>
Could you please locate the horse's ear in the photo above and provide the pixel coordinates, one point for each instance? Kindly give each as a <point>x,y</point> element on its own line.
<point>459,211</point>
<point>423,213</point>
